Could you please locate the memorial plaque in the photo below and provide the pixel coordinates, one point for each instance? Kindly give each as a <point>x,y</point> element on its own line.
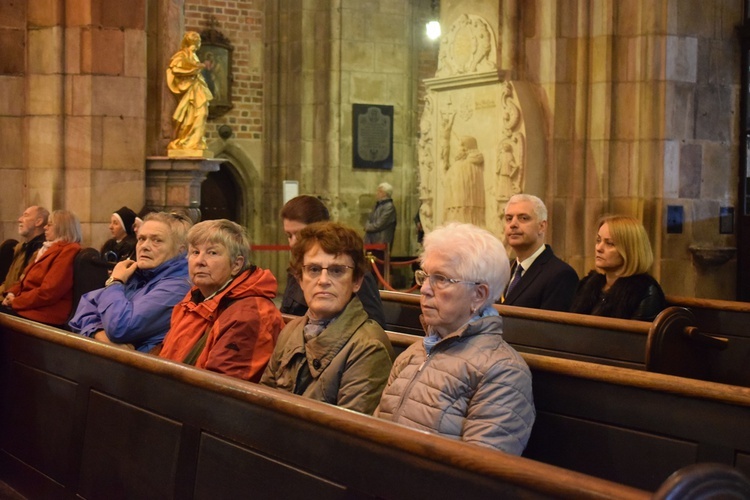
<point>372,141</point>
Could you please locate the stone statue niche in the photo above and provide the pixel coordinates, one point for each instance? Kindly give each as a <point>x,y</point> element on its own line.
<point>474,150</point>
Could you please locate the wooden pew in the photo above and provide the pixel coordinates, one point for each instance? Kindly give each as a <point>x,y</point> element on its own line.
<point>727,319</point>
<point>88,420</point>
<point>630,426</point>
<point>669,345</point>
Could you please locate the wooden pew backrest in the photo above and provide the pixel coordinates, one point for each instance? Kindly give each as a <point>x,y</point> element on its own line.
<point>80,418</point>
<point>725,319</point>
<point>670,345</point>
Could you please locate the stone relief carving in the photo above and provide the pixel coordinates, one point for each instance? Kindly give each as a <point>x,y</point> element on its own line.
<point>472,145</point>
<point>463,184</point>
<point>469,46</point>
<point>510,149</point>
<point>457,141</point>
<point>426,163</point>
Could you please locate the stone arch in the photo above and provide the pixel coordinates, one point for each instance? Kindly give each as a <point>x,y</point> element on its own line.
<point>245,173</point>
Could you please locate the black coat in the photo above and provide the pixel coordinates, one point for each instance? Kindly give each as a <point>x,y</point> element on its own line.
<point>548,284</point>
<point>636,297</point>
<point>123,250</point>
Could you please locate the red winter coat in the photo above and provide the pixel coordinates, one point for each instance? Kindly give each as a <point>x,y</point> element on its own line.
<point>45,293</point>
<point>242,321</point>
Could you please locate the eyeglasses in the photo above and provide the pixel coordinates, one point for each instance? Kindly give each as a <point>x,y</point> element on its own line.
<point>438,281</point>
<point>335,271</point>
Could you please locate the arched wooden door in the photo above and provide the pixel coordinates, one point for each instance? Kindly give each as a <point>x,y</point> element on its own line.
<point>220,195</point>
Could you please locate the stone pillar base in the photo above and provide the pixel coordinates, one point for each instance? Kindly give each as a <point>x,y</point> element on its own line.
<point>174,184</point>
<point>190,153</point>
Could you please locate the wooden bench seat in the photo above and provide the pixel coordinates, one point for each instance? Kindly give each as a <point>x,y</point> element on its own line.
<point>88,420</point>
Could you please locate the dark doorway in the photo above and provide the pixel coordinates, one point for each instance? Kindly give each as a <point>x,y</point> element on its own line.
<point>220,195</point>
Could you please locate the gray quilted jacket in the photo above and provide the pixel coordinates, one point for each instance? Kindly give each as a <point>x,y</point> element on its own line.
<point>473,386</point>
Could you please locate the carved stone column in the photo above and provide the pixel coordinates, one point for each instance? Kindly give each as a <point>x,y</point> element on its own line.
<point>175,183</point>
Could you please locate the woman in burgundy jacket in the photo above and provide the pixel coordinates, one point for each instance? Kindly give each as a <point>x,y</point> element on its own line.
<point>45,292</point>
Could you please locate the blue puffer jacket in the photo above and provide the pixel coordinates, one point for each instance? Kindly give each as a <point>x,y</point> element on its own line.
<point>473,386</point>
<point>138,312</point>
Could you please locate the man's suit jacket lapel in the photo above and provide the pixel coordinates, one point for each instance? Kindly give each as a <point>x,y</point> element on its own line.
<point>529,275</point>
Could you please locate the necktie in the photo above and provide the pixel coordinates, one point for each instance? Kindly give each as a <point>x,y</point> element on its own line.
<point>516,279</point>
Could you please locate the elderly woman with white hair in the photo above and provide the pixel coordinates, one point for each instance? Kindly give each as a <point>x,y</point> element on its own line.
<point>463,381</point>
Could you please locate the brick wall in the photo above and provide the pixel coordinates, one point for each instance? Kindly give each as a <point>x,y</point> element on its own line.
<point>242,22</point>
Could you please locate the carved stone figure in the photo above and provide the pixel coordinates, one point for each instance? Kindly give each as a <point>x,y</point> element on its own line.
<point>463,185</point>
<point>468,47</point>
<point>185,80</point>
<point>508,167</point>
<point>426,164</point>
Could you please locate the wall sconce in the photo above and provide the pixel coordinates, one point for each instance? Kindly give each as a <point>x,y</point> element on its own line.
<point>433,26</point>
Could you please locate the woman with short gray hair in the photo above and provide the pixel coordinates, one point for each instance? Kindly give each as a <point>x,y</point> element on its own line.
<point>227,323</point>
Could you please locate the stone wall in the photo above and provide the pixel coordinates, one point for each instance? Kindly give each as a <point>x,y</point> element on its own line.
<point>322,58</point>
<point>640,100</point>
<point>701,150</point>
<point>72,120</point>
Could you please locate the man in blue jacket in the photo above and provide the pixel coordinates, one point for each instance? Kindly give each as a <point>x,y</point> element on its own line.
<point>135,306</point>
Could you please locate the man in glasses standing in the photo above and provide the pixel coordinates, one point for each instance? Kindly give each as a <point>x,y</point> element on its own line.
<point>335,353</point>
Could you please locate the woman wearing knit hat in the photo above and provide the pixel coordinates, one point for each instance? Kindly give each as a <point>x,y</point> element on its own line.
<point>122,244</point>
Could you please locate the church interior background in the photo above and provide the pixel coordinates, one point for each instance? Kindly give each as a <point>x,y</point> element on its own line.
<point>627,106</point>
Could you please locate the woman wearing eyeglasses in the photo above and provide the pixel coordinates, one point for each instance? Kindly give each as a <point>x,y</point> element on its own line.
<point>463,381</point>
<point>334,353</point>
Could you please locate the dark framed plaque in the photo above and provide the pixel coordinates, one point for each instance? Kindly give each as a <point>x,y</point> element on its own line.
<point>372,141</point>
<point>216,54</point>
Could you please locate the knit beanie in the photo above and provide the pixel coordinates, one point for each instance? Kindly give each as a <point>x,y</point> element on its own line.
<point>126,218</point>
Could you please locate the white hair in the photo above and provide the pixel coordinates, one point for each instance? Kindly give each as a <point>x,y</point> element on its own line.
<point>540,210</point>
<point>475,254</point>
<point>387,188</point>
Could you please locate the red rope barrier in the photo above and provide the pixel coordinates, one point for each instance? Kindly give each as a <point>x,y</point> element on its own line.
<point>395,264</point>
<point>387,286</point>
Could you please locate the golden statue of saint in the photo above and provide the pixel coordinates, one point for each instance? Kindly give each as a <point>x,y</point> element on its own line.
<point>185,80</point>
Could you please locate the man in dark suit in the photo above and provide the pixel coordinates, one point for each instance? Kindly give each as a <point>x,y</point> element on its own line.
<point>538,278</point>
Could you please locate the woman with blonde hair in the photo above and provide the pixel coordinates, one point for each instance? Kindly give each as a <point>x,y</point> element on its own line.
<point>45,292</point>
<point>620,286</point>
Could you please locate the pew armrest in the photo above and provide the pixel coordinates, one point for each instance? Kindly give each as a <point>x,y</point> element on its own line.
<point>706,339</point>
